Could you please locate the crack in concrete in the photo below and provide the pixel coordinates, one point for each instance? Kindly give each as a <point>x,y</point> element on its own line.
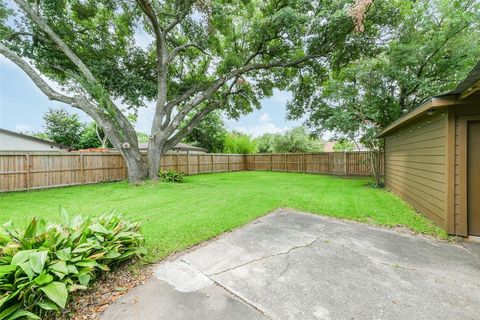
<point>286,267</point>
<point>242,299</point>
<point>269,256</point>
<point>477,257</point>
<point>232,293</point>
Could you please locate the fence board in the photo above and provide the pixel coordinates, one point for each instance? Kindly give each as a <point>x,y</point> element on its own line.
<point>36,170</point>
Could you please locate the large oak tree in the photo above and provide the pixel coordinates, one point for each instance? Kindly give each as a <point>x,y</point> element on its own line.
<point>427,48</point>
<point>199,56</point>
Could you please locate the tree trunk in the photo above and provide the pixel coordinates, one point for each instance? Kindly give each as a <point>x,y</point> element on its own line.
<point>375,165</point>
<point>136,166</point>
<point>156,149</point>
<point>154,158</point>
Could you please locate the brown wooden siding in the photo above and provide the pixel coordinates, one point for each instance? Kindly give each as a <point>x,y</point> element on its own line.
<point>457,216</point>
<point>415,165</point>
<point>460,218</point>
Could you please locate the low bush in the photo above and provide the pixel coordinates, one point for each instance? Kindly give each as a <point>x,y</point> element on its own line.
<point>41,265</point>
<point>171,176</point>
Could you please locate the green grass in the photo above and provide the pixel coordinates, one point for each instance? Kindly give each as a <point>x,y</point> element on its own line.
<point>177,216</point>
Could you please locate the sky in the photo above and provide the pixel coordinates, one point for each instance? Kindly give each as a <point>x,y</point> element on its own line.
<point>22,106</point>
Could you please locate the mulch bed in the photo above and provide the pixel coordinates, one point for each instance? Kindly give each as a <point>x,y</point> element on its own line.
<point>89,304</point>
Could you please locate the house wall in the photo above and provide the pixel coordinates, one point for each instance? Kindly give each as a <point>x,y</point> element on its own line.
<point>460,215</point>
<point>416,164</point>
<point>10,142</point>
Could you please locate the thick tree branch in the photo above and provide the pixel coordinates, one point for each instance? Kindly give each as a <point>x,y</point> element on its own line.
<point>179,18</point>
<point>36,78</point>
<point>56,39</point>
<point>162,66</point>
<point>16,34</point>
<point>178,49</point>
<point>206,94</point>
<point>173,103</point>
<point>121,120</point>
<point>182,133</point>
<point>147,8</point>
<point>78,101</point>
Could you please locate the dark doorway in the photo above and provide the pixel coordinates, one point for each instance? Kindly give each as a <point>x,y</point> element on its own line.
<point>473,177</point>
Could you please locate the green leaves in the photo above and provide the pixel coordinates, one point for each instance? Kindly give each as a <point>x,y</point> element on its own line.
<point>41,265</point>
<point>22,256</point>
<point>37,261</point>
<point>98,228</point>
<point>57,292</point>
<point>236,142</point>
<point>43,279</point>
<point>171,176</point>
<point>59,269</point>
<point>409,52</point>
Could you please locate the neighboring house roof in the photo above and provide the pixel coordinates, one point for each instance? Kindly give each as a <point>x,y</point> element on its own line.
<point>465,88</point>
<point>31,138</point>
<point>179,147</point>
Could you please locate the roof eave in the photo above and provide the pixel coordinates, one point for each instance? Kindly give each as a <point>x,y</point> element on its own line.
<point>434,103</point>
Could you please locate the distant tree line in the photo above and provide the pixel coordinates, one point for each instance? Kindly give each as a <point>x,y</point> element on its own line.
<point>67,129</point>
<point>212,135</point>
<point>294,140</point>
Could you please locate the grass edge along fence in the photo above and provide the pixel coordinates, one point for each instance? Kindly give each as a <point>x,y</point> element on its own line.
<point>38,170</point>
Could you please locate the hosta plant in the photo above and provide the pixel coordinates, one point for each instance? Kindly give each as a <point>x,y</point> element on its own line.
<point>41,265</point>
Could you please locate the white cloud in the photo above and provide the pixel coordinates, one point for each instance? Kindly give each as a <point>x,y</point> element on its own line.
<point>258,130</point>
<point>265,118</point>
<point>281,97</point>
<point>142,38</point>
<point>23,128</point>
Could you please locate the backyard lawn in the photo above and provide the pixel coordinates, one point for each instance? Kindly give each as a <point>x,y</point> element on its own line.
<point>177,216</point>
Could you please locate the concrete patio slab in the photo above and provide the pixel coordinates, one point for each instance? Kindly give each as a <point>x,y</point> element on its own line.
<point>290,265</point>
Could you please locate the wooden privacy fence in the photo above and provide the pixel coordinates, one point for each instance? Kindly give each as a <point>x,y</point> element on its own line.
<point>36,170</point>
<point>355,163</point>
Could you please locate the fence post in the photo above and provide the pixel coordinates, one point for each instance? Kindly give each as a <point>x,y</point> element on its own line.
<point>304,169</point>
<point>285,162</point>
<point>188,162</point>
<point>27,171</point>
<point>328,163</point>
<point>228,163</point>
<point>211,159</point>
<point>82,169</point>
<point>198,164</point>
<point>345,163</point>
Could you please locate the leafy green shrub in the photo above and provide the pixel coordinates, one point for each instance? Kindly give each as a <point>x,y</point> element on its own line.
<point>240,143</point>
<point>171,176</point>
<point>41,265</point>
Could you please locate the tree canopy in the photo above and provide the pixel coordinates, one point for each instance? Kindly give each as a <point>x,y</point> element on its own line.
<point>239,143</point>
<point>428,46</point>
<point>67,129</point>
<point>210,133</point>
<point>294,140</point>
<point>63,128</point>
<point>185,57</point>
